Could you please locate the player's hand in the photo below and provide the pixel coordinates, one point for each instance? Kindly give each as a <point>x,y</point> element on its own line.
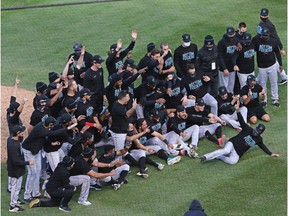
<point>184,100</point>
<point>236,68</point>
<point>134,35</point>
<point>275,155</point>
<point>83,50</point>
<point>206,78</point>
<point>134,104</point>
<point>72,126</point>
<point>17,81</point>
<point>160,100</point>
<point>81,117</point>
<point>170,146</point>
<point>226,72</point>
<point>82,75</point>
<point>71,60</point>
<point>31,162</point>
<point>192,97</point>
<point>280,69</point>
<point>283,52</point>
<point>151,151</point>
<point>143,70</point>
<point>119,44</point>
<point>112,173</point>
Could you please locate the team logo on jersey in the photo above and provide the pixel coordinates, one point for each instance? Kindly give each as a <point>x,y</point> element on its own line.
<point>254,95</point>
<point>44,118</point>
<point>230,49</point>
<point>195,85</point>
<point>182,126</point>
<point>156,127</point>
<point>156,70</point>
<point>249,53</point>
<point>83,65</point>
<point>249,141</point>
<point>188,56</point>
<point>175,91</point>
<point>89,111</point>
<point>265,48</point>
<point>116,92</point>
<point>168,62</point>
<point>143,140</point>
<point>158,105</point>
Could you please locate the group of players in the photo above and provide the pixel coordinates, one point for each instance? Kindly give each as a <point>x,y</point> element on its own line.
<point>165,115</point>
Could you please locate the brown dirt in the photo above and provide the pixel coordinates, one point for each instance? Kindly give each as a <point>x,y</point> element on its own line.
<point>25,115</point>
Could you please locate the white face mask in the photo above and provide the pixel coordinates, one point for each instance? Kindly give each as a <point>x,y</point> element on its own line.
<point>186,44</point>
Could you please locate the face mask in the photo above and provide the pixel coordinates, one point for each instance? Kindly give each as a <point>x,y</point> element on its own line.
<point>264,19</point>
<point>187,44</point>
<point>247,43</point>
<point>209,48</point>
<point>41,108</point>
<point>130,133</point>
<point>265,38</point>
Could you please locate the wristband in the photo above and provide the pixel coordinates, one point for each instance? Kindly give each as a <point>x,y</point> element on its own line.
<point>166,141</point>
<point>89,124</point>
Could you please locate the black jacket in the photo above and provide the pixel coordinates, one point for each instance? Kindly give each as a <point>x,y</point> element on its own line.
<point>15,161</point>
<point>195,209</point>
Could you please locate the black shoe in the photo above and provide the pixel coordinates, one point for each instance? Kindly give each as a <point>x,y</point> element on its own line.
<point>282,82</point>
<point>16,209</point>
<point>203,158</point>
<point>64,208</point>
<point>96,187</point>
<point>8,190</point>
<point>20,203</point>
<point>276,103</point>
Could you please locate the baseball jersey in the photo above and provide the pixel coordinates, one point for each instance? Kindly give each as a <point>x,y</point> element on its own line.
<point>225,106</point>
<point>183,56</point>
<point>119,118</point>
<point>244,59</point>
<point>245,140</point>
<point>197,117</point>
<point>254,101</point>
<point>226,50</point>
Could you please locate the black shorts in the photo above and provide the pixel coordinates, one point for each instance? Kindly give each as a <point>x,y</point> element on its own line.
<point>256,111</point>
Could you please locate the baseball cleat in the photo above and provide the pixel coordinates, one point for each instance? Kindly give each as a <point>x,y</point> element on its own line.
<point>282,82</point>
<point>160,166</point>
<point>171,161</point>
<point>143,175</point>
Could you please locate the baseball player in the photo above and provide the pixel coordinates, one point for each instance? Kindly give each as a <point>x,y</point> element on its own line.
<point>268,52</point>
<point>83,174</point>
<point>195,84</point>
<point>252,94</point>
<point>239,144</point>
<point>94,81</point>
<point>115,56</point>
<point>226,108</point>
<point>177,126</point>
<point>58,187</point>
<point>16,166</point>
<point>120,115</point>
<point>157,142</point>
<point>184,54</point>
<point>226,48</point>
<point>167,61</point>
<point>208,123</point>
<point>208,61</point>
<point>121,168</point>
<point>243,60</point>
<point>82,61</point>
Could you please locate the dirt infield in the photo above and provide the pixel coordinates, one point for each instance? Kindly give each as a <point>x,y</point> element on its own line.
<point>25,115</point>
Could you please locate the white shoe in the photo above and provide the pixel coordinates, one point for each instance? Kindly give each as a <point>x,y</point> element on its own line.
<point>160,166</point>
<point>171,161</point>
<point>84,202</point>
<point>116,186</point>
<point>144,175</point>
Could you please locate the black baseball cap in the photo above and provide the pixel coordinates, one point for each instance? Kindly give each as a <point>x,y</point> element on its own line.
<point>65,118</point>
<point>199,102</point>
<point>186,38</point>
<point>85,92</point>
<point>71,104</point>
<point>16,129</point>
<point>154,113</point>
<point>113,47</point>
<point>42,98</point>
<point>131,63</point>
<point>108,148</point>
<point>251,77</point>
<point>150,47</point>
<point>68,161</point>
<point>77,46</point>
<point>247,37</point>
<point>208,41</point>
<point>86,136</point>
<point>13,106</point>
<point>222,90</point>
<point>87,152</point>
<point>41,87</point>
<point>265,31</point>
<point>151,80</point>
<point>52,76</point>
<point>230,31</point>
<point>180,108</point>
<point>97,59</point>
<point>49,120</point>
<point>264,12</point>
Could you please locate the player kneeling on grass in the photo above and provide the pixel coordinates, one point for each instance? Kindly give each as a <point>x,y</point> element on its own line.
<point>239,144</point>
<point>58,187</point>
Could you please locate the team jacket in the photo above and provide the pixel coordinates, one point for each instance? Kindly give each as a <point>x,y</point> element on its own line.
<point>15,161</point>
<point>244,59</point>
<point>208,60</point>
<point>226,50</point>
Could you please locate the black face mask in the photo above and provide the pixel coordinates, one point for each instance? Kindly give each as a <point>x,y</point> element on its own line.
<point>230,38</point>
<point>130,133</point>
<point>264,19</point>
<point>265,38</point>
<point>77,54</point>
<point>246,43</point>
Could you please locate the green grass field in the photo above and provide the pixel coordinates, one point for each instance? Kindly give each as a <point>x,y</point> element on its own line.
<point>37,41</point>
